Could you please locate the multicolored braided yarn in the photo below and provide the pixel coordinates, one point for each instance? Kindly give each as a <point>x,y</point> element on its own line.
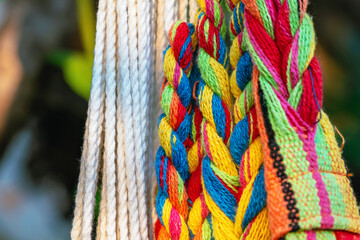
<point>306,180</point>
<point>219,174</point>
<point>251,219</point>
<point>197,221</point>
<point>195,156</point>
<point>172,167</point>
<point>199,218</point>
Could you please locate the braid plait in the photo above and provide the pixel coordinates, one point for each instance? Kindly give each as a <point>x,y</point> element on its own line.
<point>251,219</point>
<point>219,175</point>
<point>302,189</point>
<point>196,152</point>
<point>199,217</point>
<point>172,168</point>
<point>199,220</point>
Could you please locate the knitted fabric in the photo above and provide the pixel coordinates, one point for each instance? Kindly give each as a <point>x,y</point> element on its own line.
<point>251,220</point>
<point>219,175</point>
<point>172,168</point>
<point>306,180</point>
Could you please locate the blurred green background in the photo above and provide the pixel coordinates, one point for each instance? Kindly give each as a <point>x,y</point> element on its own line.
<point>45,71</point>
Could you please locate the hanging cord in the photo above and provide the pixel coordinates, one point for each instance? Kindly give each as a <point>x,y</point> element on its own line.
<point>219,175</point>
<point>118,102</point>
<point>251,219</point>
<point>79,200</point>
<point>174,133</point>
<point>109,164</point>
<point>160,45</point>
<point>101,229</point>
<point>126,181</point>
<point>85,198</point>
<point>144,47</point>
<point>171,11</point>
<point>136,194</point>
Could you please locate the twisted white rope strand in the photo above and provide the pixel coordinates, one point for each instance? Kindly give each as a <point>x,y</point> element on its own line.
<point>124,112</point>
<point>110,119</point>
<point>82,226</point>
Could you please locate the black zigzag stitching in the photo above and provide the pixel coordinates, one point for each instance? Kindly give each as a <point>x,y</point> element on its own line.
<point>280,168</point>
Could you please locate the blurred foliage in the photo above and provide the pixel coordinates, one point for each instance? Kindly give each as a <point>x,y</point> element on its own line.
<point>77,66</point>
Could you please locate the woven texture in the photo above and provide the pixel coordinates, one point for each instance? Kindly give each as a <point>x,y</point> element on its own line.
<point>305,177</point>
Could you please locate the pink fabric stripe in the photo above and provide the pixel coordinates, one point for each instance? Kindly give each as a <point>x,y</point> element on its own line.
<point>177,75</point>
<point>310,235</point>
<point>175,224</point>
<point>327,220</point>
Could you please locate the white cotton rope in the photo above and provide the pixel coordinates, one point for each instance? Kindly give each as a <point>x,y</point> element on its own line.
<point>136,149</point>
<point>85,198</point>
<point>144,46</point>
<point>120,134</point>
<point>101,230</point>
<point>79,201</point>
<point>110,121</point>
<point>123,115</point>
<point>170,14</point>
<point>117,136</point>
